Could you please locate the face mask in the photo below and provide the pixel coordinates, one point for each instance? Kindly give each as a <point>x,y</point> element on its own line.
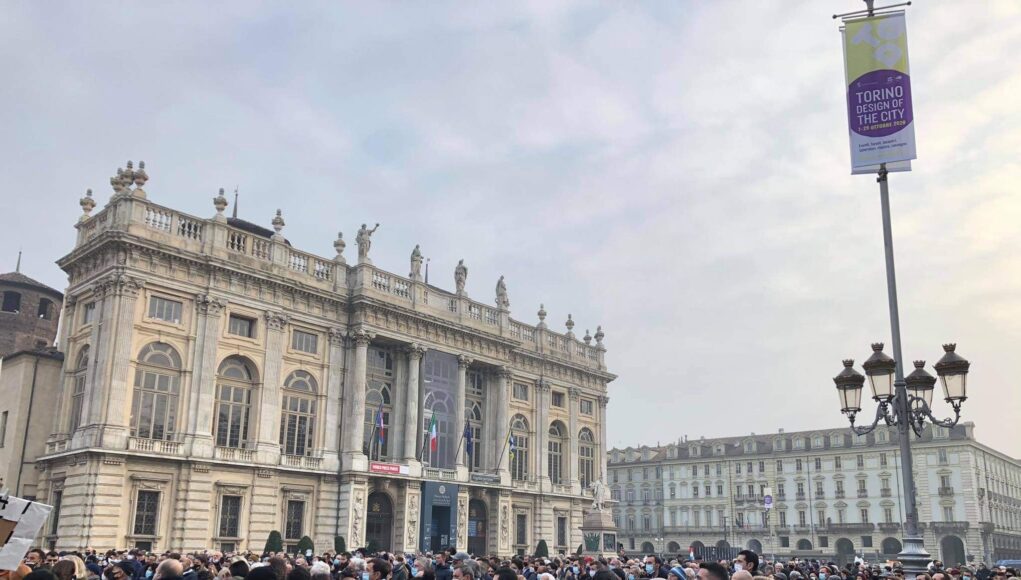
<point>148,573</point>
<point>648,568</point>
<point>738,567</point>
<point>365,576</point>
<point>630,577</point>
<point>822,576</point>
<point>612,567</point>
<point>574,569</point>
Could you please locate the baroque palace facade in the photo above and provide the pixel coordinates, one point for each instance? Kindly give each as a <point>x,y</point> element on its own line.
<point>835,495</point>
<point>219,384</point>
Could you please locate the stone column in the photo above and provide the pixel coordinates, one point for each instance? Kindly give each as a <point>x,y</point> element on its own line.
<point>462,518</point>
<point>601,450</point>
<point>334,393</point>
<point>203,379</point>
<point>542,405</point>
<point>502,423</point>
<point>412,422</point>
<point>574,400</point>
<point>106,406</point>
<point>269,400</point>
<point>355,437</point>
<point>463,363</point>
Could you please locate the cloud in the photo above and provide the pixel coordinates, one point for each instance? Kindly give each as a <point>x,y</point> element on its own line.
<point>676,173</point>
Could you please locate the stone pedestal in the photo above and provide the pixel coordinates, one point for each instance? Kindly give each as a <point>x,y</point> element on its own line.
<point>599,535</point>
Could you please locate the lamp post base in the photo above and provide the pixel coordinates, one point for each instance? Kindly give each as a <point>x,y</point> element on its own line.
<point>913,557</point>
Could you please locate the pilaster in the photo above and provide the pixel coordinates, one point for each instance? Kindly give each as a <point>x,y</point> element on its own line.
<point>542,405</point>
<point>504,517</point>
<point>412,422</point>
<point>334,394</point>
<point>503,425</point>
<point>199,434</point>
<point>574,400</point>
<point>327,498</point>
<point>462,518</point>
<point>354,494</point>
<point>602,450</point>
<point>107,407</point>
<point>269,402</point>
<point>406,536</point>
<point>354,457</point>
<point>463,363</point>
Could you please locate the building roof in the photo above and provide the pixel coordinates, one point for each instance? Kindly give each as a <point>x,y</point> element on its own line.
<point>48,352</point>
<point>19,279</point>
<point>252,228</point>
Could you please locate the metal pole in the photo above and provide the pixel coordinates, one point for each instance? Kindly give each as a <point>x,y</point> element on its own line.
<point>913,556</point>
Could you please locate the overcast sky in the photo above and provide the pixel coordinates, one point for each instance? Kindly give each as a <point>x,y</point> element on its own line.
<point>674,171</point>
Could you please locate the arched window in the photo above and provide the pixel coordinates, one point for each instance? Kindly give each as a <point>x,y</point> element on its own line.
<point>81,369</point>
<point>378,399</point>
<point>235,381</point>
<point>475,425</point>
<point>519,448</point>
<point>586,457</point>
<point>157,386</point>
<point>297,421</point>
<point>439,405</point>
<point>555,458</point>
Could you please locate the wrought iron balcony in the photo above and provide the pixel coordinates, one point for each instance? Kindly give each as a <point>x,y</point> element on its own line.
<point>946,491</point>
<point>886,492</point>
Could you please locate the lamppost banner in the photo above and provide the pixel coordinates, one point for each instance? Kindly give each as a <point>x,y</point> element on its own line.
<point>879,112</point>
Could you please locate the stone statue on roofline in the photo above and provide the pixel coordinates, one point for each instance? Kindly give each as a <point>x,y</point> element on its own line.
<point>502,301</point>
<point>460,276</point>
<point>416,264</point>
<point>364,241</point>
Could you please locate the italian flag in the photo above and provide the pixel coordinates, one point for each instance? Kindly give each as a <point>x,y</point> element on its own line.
<point>432,433</point>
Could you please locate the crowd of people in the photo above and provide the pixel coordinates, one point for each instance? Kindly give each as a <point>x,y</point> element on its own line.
<point>454,565</point>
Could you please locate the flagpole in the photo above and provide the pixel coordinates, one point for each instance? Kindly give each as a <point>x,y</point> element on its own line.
<point>457,453</point>
<point>504,449</point>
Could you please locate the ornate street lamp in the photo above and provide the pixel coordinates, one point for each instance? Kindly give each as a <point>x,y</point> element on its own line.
<point>904,402</point>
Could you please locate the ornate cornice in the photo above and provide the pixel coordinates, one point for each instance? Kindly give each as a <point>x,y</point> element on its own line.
<point>464,362</point>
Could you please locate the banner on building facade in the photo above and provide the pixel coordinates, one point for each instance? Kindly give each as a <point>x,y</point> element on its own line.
<point>879,110</point>
<point>20,522</point>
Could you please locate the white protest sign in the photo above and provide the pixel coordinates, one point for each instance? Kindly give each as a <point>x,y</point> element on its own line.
<point>20,521</point>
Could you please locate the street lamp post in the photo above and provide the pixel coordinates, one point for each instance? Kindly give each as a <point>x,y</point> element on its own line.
<point>905,404</point>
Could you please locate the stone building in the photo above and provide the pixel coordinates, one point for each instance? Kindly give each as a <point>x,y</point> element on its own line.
<point>29,376</point>
<point>834,495</point>
<point>222,384</point>
<point>29,312</point>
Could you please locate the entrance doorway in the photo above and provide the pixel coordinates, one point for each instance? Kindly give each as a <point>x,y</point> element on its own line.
<point>477,527</point>
<point>439,538</point>
<point>379,523</point>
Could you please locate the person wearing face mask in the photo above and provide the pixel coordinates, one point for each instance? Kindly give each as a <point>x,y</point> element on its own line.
<point>747,560</point>
<point>654,567</point>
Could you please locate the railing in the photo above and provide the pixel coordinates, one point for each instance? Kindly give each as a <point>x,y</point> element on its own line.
<point>154,446</point>
<point>863,493</point>
<point>946,491</point>
<point>189,228</point>
<point>56,446</point>
<point>820,495</point>
<point>885,492</point>
<point>846,527</point>
<point>297,262</point>
<point>262,249</point>
<point>442,474</point>
<point>234,454</point>
<point>158,218</point>
<point>301,461</point>
<point>801,495</point>
<point>559,488</point>
<point>839,494</point>
<point>889,527</point>
<point>237,242</point>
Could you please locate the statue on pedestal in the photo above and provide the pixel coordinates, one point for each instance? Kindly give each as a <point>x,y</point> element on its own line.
<point>460,276</point>
<point>364,241</point>
<point>600,495</point>
<point>501,294</point>
<point>416,264</point>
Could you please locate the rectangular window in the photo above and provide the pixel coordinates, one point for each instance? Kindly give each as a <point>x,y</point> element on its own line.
<point>802,518</point>
<point>586,406</point>
<point>230,516</point>
<point>864,515</point>
<point>147,506</point>
<point>3,429</point>
<point>888,515</point>
<point>861,461</point>
<point>861,485</point>
<point>737,467</point>
<point>521,529</point>
<point>694,491</point>
<point>785,541</point>
<point>708,490</point>
<point>12,302</point>
<point>762,467</point>
<point>58,497</point>
<point>841,516</point>
<point>797,465</point>
<point>295,521</point>
<point>779,465</point>
<point>719,490</point>
<point>705,470</point>
<point>561,531</point>
<point>165,309</point>
<point>241,326</point>
<point>948,513</point>
<point>882,460</point>
<point>521,391</point>
<point>866,541</point>
<point>780,491</point>
<point>818,464</point>
<point>558,399</point>
<point>821,514</point>
<point>824,541</point>
<point>88,313</point>
<point>942,454</point>
<point>304,341</point>
<point>783,519</point>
